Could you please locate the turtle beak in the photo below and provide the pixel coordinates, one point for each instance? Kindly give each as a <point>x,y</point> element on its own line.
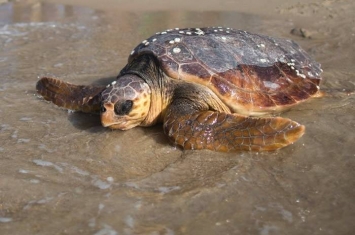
<point>107,114</point>
<point>109,118</point>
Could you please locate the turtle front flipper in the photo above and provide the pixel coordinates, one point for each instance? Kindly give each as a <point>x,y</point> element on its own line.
<point>230,132</point>
<point>70,96</point>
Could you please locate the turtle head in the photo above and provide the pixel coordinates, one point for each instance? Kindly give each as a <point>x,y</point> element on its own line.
<point>125,103</point>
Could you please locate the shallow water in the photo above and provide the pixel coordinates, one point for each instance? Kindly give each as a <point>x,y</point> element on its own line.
<point>62,173</point>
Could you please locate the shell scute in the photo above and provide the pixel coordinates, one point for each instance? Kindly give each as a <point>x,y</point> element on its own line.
<point>181,54</point>
<point>169,63</point>
<point>310,87</point>
<point>195,69</point>
<point>299,93</point>
<point>263,100</point>
<point>221,86</point>
<point>241,73</point>
<point>282,98</point>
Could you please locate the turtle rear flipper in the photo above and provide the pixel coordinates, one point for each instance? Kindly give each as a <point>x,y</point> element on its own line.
<point>70,96</point>
<point>230,132</point>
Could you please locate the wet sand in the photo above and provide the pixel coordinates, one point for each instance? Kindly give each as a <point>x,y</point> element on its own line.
<point>246,6</point>
<point>63,173</point>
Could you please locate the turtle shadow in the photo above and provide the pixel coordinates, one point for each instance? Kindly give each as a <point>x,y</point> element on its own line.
<point>92,124</point>
<point>86,121</point>
<point>156,132</point>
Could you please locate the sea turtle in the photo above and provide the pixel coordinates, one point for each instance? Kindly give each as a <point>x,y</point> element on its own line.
<point>209,87</point>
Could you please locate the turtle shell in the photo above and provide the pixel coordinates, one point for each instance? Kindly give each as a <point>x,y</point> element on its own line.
<point>253,74</point>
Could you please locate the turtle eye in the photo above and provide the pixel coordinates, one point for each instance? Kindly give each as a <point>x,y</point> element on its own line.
<point>124,107</point>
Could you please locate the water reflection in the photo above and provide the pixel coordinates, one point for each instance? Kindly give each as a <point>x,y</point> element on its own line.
<point>27,11</point>
<point>143,22</point>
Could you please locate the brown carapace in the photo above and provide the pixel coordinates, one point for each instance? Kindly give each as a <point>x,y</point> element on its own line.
<point>209,86</point>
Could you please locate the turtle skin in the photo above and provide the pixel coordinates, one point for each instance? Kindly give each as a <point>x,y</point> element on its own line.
<point>214,85</point>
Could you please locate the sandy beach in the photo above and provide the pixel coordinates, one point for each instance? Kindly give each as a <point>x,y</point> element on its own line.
<point>61,172</point>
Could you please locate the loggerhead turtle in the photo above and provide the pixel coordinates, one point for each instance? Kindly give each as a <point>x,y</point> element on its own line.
<point>209,87</point>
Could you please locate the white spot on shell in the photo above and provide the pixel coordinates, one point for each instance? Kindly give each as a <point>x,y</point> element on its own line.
<point>271,85</point>
<point>224,38</point>
<point>168,30</point>
<point>113,83</point>
<point>227,31</point>
<point>176,50</point>
<point>215,30</point>
<point>144,41</point>
<point>132,52</point>
<point>181,32</point>
<point>177,39</point>
<point>282,60</point>
<point>172,42</point>
<point>300,74</point>
<point>176,28</point>
<point>157,33</point>
<point>263,60</point>
<point>108,86</point>
<point>154,39</point>
<point>189,33</point>
<point>221,30</point>
<point>147,43</point>
<point>163,32</point>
